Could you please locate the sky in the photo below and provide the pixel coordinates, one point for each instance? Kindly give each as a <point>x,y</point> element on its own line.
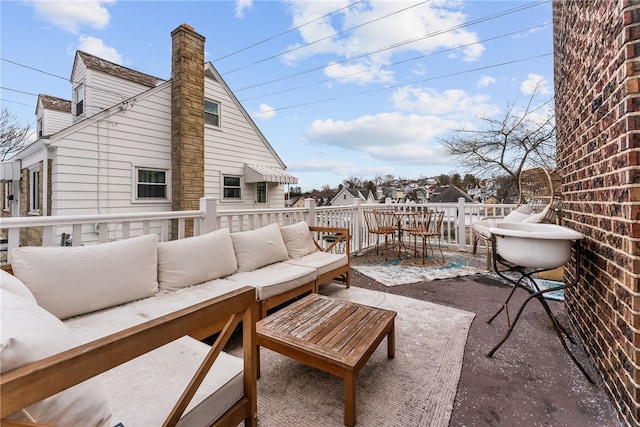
<point>340,88</point>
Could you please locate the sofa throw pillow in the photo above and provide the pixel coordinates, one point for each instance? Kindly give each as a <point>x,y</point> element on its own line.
<point>67,281</point>
<point>12,284</point>
<point>260,247</point>
<point>297,238</point>
<point>194,260</point>
<point>29,334</point>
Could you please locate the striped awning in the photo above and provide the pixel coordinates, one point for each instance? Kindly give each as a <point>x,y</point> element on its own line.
<point>259,173</point>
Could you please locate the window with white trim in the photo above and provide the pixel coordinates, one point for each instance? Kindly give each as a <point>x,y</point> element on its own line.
<point>231,188</point>
<point>151,184</point>
<point>261,192</point>
<point>40,127</point>
<point>212,113</point>
<point>78,99</point>
<point>34,190</point>
<point>8,193</point>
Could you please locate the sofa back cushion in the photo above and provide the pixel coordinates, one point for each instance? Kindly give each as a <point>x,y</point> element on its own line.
<point>193,260</point>
<point>297,238</point>
<point>260,247</point>
<point>29,334</point>
<point>68,281</point>
<point>12,284</point>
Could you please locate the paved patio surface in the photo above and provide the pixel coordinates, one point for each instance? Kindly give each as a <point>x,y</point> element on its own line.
<point>530,381</point>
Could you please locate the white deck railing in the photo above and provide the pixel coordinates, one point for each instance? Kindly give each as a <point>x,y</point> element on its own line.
<point>87,229</point>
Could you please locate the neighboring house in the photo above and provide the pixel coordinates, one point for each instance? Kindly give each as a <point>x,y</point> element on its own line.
<point>450,194</point>
<point>348,196</point>
<point>131,142</point>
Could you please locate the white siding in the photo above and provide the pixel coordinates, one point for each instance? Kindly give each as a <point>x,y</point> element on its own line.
<point>55,121</point>
<point>229,148</point>
<point>104,91</point>
<point>93,167</point>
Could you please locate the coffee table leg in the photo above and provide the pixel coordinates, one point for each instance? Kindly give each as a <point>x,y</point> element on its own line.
<point>350,399</point>
<point>391,341</point>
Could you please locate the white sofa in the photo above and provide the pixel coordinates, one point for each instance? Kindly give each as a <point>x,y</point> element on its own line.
<point>66,306</point>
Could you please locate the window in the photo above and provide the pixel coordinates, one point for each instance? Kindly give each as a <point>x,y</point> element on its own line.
<point>34,190</point>
<point>40,131</point>
<point>78,98</point>
<point>231,189</point>
<point>212,113</point>
<point>261,192</point>
<point>151,184</point>
<point>8,195</point>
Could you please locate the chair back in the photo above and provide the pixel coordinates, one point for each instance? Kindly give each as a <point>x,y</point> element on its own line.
<point>540,190</point>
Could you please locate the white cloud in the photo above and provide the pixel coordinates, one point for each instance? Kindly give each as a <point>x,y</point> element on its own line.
<point>241,6</point>
<point>97,47</point>
<point>391,137</point>
<point>266,112</point>
<point>373,27</point>
<point>485,81</point>
<point>454,102</point>
<point>71,15</point>
<point>535,83</point>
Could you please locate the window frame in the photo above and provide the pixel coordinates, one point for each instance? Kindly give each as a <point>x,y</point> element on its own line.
<point>226,186</point>
<point>34,191</point>
<point>40,127</point>
<point>136,198</point>
<point>217,114</point>
<point>79,90</point>
<point>8,192</point>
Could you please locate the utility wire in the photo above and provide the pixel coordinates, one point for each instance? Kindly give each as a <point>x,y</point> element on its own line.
<point>407,84</point>
<point>324,38</point>
<point>287,31</point>
<point>390,65</point>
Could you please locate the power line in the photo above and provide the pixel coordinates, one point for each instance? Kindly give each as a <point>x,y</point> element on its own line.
<point>390,65</point>
<point>287,31</point>
<point>410,83</point>
<point>324,38</point>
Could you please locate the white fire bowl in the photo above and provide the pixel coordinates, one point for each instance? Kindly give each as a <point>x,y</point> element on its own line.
<point>534,245</point>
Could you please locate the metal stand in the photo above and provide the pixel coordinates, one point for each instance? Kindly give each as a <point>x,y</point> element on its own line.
<point>534,293</point>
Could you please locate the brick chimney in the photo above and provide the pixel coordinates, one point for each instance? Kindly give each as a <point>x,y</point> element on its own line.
<point>187,119</point>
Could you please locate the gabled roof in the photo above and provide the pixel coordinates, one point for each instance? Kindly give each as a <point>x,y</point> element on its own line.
<point>362,193</point>
<point>54,103</point>
<point>107,67</point>
<point>451,194</point>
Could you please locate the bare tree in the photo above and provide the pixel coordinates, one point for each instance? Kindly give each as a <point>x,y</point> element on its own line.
<point>508,142</point>
<point>13,137</point>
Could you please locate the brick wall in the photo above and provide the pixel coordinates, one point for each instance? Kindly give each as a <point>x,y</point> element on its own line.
<point>187,120</point>
<point>597,89</point>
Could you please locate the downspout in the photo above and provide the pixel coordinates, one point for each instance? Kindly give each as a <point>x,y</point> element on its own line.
<point>99,194</point>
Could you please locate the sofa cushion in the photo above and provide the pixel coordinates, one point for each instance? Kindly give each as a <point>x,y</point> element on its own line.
<point>91,326</point>
<point>518,215</point>
<point>144,390</point>
<point>67,281</point>
<point>275,279</point>
<point>297,238</point>
<point>12,284</point>
<point>322,262</point>
<point>259,247</point>
<point>29,334</point>
<point>193,260</point>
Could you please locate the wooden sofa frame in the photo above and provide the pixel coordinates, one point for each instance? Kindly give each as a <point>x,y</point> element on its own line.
<point>339,236</point>
<point>29,384</point>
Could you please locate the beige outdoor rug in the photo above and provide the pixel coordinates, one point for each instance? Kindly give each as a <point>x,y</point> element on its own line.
<point>417,388</point>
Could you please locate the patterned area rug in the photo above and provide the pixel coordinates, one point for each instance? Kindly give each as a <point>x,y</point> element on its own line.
<point>401,271</point>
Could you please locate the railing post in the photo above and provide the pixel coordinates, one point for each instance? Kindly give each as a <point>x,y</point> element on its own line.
<point>462,236</point>
<point>310,204</point>
<point>356,244</point>
<point>210,221</point>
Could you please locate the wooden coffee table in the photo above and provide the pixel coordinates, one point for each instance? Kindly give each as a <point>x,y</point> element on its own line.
<point>337,337</point>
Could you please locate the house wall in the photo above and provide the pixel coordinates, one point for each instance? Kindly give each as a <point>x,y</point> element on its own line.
<point>102,90</point>
<point>597,95</point>
<point>232,145</point>
<point>93,165</point>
